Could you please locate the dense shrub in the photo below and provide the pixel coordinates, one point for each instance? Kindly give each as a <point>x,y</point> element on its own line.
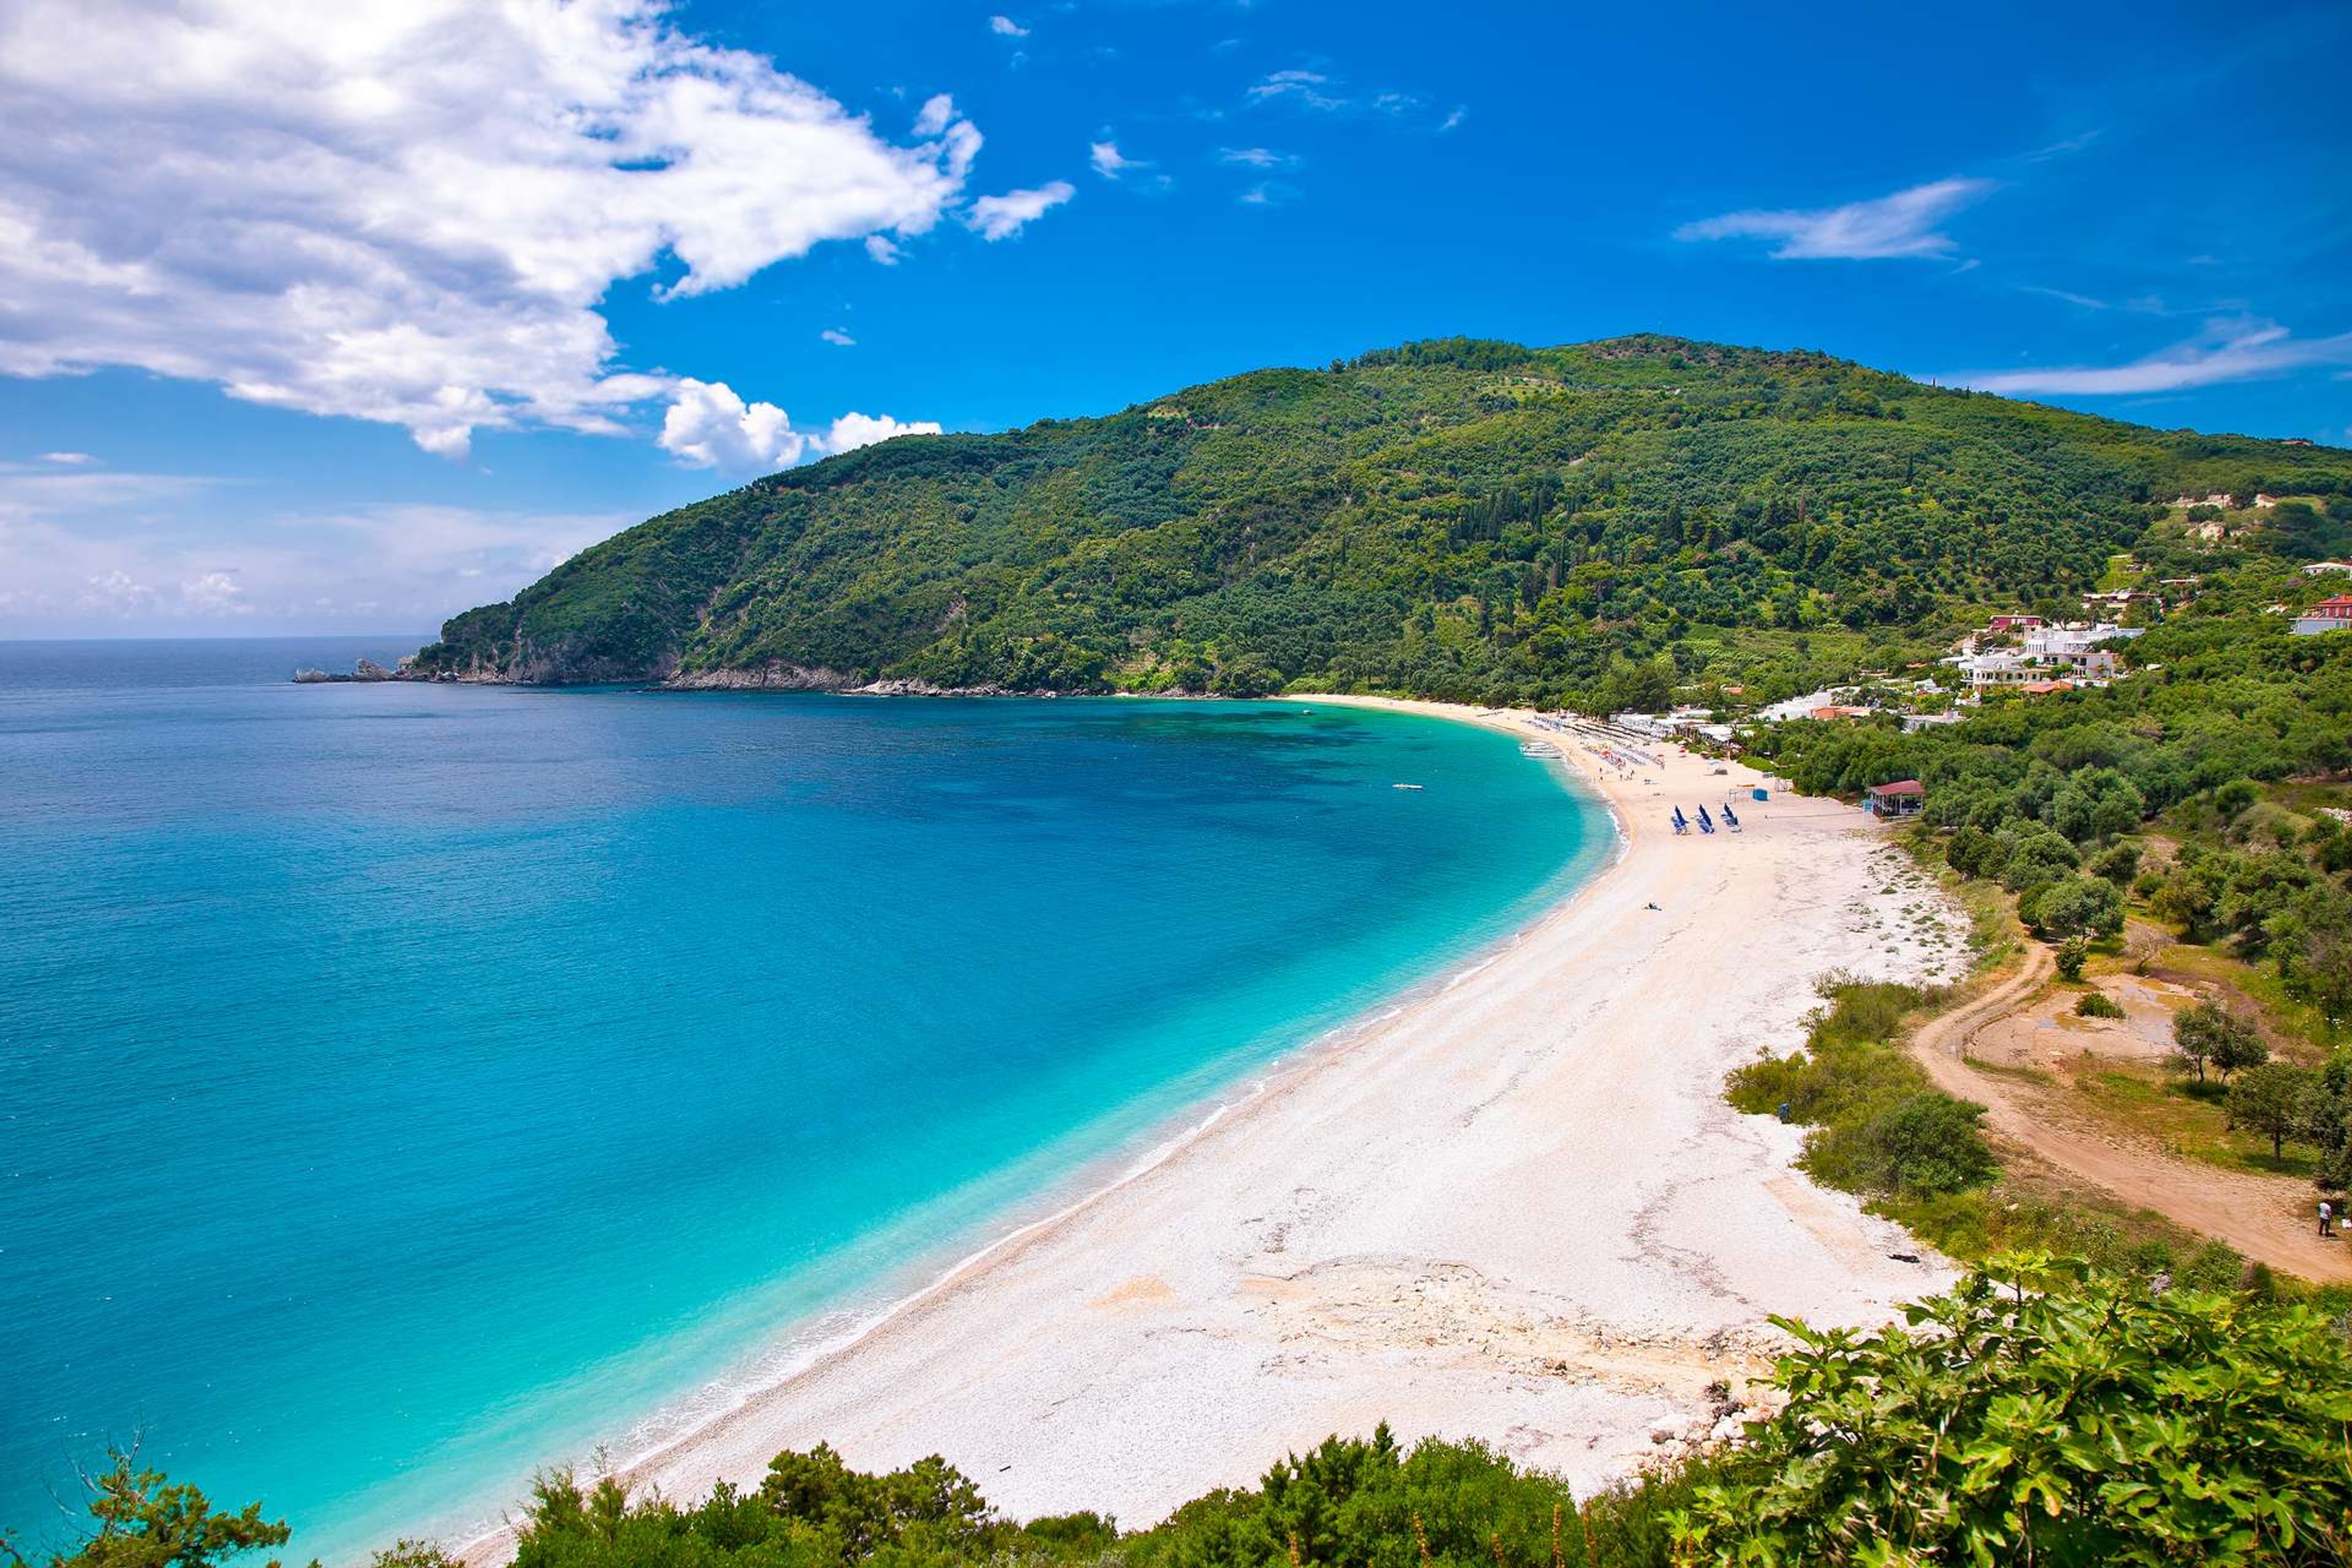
<point>2073,907</point>
<point>2036,1416</point>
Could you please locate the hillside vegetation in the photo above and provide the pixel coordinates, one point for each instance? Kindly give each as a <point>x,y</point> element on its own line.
<point>1454,519</point>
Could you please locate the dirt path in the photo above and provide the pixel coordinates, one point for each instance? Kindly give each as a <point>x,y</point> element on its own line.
<point>2268,1218</point>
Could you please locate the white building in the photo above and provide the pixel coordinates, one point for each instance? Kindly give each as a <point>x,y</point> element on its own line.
<point>2076,651</point>
<point>1804,707</point>
<point>2047,653</point>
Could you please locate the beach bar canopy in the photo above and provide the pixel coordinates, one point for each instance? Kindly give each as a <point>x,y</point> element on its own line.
<point>1902,798</point>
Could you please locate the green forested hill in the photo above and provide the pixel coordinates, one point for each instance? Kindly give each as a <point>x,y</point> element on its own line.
<point>1458,518</point>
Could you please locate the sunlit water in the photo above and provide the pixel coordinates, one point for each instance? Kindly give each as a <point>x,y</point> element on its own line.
<point>404,1087</point>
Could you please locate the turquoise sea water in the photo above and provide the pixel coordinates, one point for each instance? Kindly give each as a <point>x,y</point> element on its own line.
<point>403,1086</point>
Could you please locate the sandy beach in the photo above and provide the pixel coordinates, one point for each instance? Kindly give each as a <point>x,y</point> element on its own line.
<point>1514,1209</point>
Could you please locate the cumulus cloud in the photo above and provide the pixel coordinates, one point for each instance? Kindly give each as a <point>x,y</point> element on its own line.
<point>1256,158</point>
<point>709,425</point>
<point>1902,225</point>
<point>1001,217</point>
<point>410,214</point>
<point>1006,27</point>
<point>936,115</point>
<point>853,430</point>
<point>1108,159</point>
<point>838,338</point>
<point>214,593</point>
<point>2238,348</point>
<point>883,249</point>
<point>68,457</point>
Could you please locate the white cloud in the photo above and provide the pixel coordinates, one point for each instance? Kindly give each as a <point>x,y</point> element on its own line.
<point>215,593</point>
<point>1001,217</point>
<point>2082,302</point>
<point>1109,160</point>
<point>884,251</point>
<point>1304,87</point>
<point>73,458</point>
<point>1256,158</point>
<point>936,115</point>
<point>709,425</point>
<point>838,338</point>
<point>86,553</point>
<point>1006,27</point>
<point>1902,225</point>
<point>1455,116</point>
<point>853,430</point>
<point>2232,349</point>
<point>409,214</point>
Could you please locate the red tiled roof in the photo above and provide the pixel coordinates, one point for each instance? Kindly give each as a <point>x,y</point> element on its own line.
<point>1900,786</point>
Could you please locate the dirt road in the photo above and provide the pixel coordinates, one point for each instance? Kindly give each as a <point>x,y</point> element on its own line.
<point>2270,1219</point>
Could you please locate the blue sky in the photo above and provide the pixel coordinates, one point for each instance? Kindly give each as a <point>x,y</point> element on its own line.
<point>316,324</point>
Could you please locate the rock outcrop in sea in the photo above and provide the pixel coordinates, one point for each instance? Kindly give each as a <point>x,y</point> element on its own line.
<point>366,669</point>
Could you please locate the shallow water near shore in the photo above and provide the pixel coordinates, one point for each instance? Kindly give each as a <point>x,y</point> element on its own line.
<point>408,1086</point>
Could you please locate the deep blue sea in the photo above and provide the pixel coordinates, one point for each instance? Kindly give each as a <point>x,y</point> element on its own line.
<point>403,1086</point>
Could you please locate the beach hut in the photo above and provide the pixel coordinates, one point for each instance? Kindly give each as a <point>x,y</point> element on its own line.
<point>1904,797</point>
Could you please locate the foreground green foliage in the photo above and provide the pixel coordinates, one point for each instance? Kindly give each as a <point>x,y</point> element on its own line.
<point>2033,1415</point>
<point>1457,519</point>
<point>141,1519</point>
<point>2038,1413</point>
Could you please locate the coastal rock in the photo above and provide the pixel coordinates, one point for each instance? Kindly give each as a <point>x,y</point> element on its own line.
<point>780,677</point>
<point>366,669</point>
<point>775,677</point>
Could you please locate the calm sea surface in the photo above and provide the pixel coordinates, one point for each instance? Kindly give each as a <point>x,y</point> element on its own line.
<point>402,1087</point>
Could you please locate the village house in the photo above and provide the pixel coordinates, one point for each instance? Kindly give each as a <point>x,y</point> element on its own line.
<point>2319,568</point>
<point>2327,615</point>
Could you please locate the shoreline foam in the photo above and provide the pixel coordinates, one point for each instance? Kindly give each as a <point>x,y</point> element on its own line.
<point>1346,1340</point>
